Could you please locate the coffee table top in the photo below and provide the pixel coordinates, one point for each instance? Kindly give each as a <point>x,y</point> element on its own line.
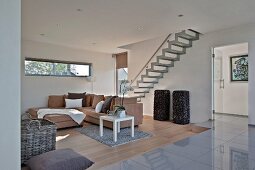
<point>116,118</point>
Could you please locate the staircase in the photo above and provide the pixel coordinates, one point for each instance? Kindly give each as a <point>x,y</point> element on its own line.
<point>164,58</point>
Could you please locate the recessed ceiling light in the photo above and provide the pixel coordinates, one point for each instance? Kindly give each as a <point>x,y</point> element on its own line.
<point>180,15</point>
<point>79,10</point>
<point>140,28</point>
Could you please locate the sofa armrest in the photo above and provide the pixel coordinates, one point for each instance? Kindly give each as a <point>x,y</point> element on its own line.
<point>33,112</point>
<point>135,110</point>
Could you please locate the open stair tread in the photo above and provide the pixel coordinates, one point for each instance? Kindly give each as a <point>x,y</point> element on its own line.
<point>138,92</point>
<point>184,35</point>
<point>168,58</point>
<point>157,71</point>
<point>162,64</point>
<point>180,44</point>
<point>142,81</point>
<point>143,87</point>
<point>147,76</point>
<point>168,50</point>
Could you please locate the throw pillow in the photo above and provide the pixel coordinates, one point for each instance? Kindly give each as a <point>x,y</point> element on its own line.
<point>78,96</point>
<point>107,97</point>
<point>59,160</point>
<point>99,107</point>
<point>56,101</point>
<point>73,103</point>
<point>107,104</point>
<point>97,99</point>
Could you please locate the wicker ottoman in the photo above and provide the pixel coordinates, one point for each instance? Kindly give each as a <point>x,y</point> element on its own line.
<point>161,105</point>
<point>181,107</point>
<point>37,137</point>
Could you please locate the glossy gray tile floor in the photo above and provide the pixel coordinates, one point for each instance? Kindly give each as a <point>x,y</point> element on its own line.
<point>228,145</point>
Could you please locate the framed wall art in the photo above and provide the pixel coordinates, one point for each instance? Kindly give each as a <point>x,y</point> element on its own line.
<point>239,68</point>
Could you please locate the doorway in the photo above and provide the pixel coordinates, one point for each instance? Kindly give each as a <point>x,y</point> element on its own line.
<point>230,79</point>
<point>121,70</point>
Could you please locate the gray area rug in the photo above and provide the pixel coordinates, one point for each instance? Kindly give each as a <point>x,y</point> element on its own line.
<point>123,137</point>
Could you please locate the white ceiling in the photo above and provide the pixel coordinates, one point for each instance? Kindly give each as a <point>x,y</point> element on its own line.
<point>104,25</point>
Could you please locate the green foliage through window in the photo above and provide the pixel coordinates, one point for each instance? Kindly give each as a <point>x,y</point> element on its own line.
<point>40,67</point>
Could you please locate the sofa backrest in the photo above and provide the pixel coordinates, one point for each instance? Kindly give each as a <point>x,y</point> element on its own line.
<point>56,101</point>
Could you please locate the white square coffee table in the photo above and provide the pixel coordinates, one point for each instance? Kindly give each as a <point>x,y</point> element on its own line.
<point>116,124</point>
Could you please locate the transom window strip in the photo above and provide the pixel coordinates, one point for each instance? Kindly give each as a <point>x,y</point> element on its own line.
<point>44,67</point>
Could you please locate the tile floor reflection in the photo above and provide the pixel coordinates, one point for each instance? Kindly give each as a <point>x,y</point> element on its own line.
<point>228,145</point>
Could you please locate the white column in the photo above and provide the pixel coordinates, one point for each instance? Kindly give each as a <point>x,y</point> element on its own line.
<point>10,64</point>
<point>251,85</point>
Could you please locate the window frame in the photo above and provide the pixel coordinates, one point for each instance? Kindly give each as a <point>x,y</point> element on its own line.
<point>56,61</point>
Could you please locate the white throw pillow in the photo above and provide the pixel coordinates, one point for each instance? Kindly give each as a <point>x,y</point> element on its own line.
<point>73,103</point>
<point>99,107</point>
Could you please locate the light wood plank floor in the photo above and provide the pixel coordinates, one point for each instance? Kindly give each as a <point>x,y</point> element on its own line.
<point>164,132</point>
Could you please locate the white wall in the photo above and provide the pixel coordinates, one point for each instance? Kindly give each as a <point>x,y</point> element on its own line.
<point>10,84</point>
<point>35,90</point>
<point>235,94</point>
<point>193,72</point>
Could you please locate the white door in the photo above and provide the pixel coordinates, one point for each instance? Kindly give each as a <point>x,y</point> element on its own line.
<point>218,84</point>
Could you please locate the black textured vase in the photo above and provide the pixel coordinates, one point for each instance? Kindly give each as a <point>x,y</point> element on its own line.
<point>161,105</point>
<point>181,107</point>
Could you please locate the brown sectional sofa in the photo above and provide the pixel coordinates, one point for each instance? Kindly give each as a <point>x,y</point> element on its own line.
<point>64,121</point>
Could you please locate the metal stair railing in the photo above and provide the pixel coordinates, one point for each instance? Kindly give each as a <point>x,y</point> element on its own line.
<point>145,66</point>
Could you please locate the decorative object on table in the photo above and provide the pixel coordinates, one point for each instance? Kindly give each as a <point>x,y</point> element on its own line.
<point>110,113</point>
<point>239,68</point>
<point>124,136</point>
<point>181,107</point>
<point>124,88</point>
<point>61,159</point>
<point>120,111</point>
<point>37,136</point>
<point>161,109</point>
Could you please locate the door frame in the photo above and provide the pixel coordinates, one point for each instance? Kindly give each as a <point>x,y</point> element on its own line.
<point>212,82</point>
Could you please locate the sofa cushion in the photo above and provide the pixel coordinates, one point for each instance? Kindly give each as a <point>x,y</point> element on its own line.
<point>107,104</point>
<point>89,111</point>
<point>88,98</point>
<point>78,96</point>
<point>91,99</point>
<point>56,101</point>
<point>61,159</point>
<point>97,99</point>
<point>58,118</point>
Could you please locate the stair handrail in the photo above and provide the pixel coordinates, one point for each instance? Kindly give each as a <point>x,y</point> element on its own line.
<point>165,40</point>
